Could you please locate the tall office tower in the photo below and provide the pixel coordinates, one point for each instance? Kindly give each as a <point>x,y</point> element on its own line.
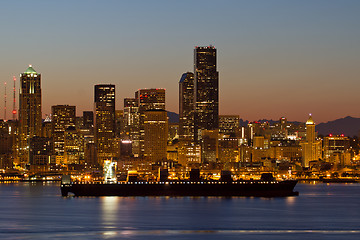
<point>156,135</point>
<point>186,106</point>
<point>29,111</point>
<point>131,122</point>
<point>63,116</point>
<point>188,151</point>
<point>104,98</point>
<point>206,93</point>
<point>311,149</point>
<point>148,99</point>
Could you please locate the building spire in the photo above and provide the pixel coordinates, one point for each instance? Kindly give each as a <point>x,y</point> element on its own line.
<point>310,121</point>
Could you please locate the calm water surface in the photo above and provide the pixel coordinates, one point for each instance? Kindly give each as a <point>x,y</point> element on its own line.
<point>37,211</point>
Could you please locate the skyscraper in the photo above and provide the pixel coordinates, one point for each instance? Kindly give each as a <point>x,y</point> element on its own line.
<point>206,90</point>
<point>29,111</point>
<point>104,98</point>
<point>188,151</point>
<point>148,99</point>
<point>186,107</point>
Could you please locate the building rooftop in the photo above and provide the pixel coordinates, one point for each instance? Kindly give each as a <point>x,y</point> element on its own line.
<point>30,70</point>
<point>310,121</point>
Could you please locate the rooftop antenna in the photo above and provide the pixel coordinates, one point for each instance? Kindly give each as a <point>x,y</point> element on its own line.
<point>5,104</point>
<point>14,101</point>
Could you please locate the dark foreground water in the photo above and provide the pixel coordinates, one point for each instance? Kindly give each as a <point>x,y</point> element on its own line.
<point>37,211</point>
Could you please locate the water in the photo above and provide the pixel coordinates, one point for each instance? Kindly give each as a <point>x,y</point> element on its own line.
<point>37,211</point>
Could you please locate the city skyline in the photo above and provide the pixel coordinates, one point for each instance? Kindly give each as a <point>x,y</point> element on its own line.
<point>275,58</point>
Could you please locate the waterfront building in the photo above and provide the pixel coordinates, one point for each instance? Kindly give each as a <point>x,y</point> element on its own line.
<point>30,119</point>
<point>104,99</point>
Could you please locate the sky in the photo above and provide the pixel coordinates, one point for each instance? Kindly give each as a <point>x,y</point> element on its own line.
<point>275,58</point>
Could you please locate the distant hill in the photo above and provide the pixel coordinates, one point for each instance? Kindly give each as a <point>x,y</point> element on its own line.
<point>349,126</point>
<point>244,123</point>
<point>173,117</point>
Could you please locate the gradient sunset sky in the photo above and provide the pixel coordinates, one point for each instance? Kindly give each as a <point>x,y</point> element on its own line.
<point>275,58</point>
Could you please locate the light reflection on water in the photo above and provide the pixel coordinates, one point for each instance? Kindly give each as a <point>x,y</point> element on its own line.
<point>109,206</point>
<point>37,211</point>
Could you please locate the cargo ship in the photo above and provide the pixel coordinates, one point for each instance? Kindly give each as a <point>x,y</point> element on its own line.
<point>267,186</point>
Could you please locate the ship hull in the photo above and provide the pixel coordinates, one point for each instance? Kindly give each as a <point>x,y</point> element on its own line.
<point>247,188</point>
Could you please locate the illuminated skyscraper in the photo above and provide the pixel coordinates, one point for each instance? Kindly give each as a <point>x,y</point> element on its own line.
<point>104,98</point>
<point>63,117</point>
<point>29,111</point>
<point>186,107</point>
<point>148,99</point>
<point>206,93</point>
<point>188,151</point>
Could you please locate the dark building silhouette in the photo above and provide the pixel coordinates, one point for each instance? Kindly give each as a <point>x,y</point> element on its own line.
<point>40,151</point>
<point>88,119</point>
